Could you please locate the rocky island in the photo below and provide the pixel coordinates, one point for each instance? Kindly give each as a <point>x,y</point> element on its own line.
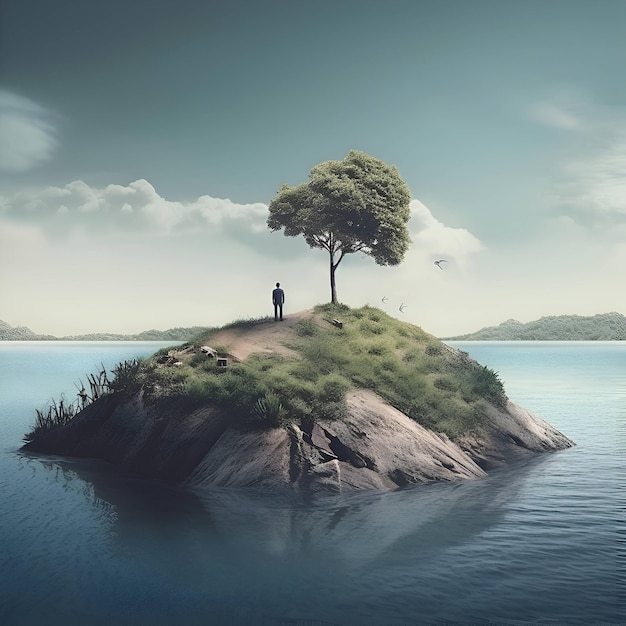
<point>330,399</point>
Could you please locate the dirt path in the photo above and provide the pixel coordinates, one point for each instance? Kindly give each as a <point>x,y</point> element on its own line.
<point>268,337</point>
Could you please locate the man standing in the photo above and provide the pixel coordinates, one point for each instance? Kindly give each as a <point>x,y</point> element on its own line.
<point>278,299</point>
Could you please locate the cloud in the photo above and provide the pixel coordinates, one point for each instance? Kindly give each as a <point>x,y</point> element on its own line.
<point>555,116</point>
<point>597,184</point>
<point>139,206</point>
<point>589,183</point>
<point>27,137</point>
<point>134,206</point>
<point>434,238</point>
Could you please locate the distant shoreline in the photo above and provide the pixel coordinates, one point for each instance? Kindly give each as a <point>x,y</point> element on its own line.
<point>22,333</point>
<point>601,327</point>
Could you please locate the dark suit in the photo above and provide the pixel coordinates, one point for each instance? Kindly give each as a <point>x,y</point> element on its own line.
<point>278,299</point>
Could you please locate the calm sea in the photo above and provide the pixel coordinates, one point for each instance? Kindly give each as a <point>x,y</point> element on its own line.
<point>542,542</point>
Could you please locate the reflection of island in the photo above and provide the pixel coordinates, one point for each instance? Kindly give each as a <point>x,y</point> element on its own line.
<point>241,557</point>
<point>354,528</point>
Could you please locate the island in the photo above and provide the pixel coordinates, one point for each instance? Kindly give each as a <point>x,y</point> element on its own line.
<point>601,327</point>
<point>330,399</point>
<point>23,333</point>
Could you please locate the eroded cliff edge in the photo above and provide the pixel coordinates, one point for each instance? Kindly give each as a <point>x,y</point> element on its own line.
<point>360,442</point>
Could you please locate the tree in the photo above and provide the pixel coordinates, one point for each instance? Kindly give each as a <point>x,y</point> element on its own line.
<point>359,204</point>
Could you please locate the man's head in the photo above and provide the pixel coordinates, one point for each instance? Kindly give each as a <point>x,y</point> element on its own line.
<point>278,284</point>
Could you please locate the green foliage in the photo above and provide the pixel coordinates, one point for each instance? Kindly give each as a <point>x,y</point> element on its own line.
<point>305,328</point>
<point>486,383</point>
<point>445,383</point>
<point>268,412</point>
<point>202,388</point>
<point>359,204</point>
<point>433,349</point>
<point>248,322</point>
<point>332,388</point>
<point>126,375</point>
<point>331,410</point>
<point>602,327</point>
<point>56,414</point>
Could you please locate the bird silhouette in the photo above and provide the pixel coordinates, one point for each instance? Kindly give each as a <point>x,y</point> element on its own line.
<point>402,307</point>
<point>384,299</point>
<point>439,262</point>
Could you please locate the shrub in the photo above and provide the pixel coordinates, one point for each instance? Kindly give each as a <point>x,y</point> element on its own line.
<point>486,383</point>
<point>374,314</point>
<point>202,388</point>
<point>434,349</point>
<point>247,322</point>
<point>305,328</point>
<point>378,348</point>
<point>370,327</point>
<point>445,383</point>
<point>126,376</point>
<point>331,410</point>
<point>412,356</point>
<point>55,415</point>
<point>332,388</point>
<point>268,411</point>
<point>304,371</point>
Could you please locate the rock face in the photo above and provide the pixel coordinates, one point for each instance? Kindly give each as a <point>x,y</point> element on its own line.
<point>374,447</point>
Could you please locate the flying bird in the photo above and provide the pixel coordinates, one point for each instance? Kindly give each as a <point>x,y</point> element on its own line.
<point>384,299</point>
<point>402,307</point>
<point>439,262</point>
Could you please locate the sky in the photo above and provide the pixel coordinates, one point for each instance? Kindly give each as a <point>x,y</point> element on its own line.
<point>141,143</point>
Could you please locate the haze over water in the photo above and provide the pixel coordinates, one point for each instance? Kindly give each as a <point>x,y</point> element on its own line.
<point>540,542</point>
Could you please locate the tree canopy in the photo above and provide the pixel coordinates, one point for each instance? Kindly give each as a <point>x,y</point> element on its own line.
<point>359,204</point>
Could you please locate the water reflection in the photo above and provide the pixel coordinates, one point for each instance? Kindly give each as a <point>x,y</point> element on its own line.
<point>234,557</point>
<point>352,527</point>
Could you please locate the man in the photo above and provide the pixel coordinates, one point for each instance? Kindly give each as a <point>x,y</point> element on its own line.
<point>278,299</point>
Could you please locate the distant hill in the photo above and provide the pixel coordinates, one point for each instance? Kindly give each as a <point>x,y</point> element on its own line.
<point>22,333</point>
<point>19,333</point>
<point>601,327</point>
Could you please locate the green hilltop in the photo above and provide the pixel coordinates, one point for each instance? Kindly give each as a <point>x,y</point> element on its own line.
<point>317,362</point>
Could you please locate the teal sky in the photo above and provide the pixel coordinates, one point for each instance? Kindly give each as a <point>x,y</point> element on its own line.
<point>141,142</point>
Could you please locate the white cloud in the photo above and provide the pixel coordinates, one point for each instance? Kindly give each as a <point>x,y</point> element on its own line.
<point>27,137</point>
<point>137,205</point>
<point>434,238</point>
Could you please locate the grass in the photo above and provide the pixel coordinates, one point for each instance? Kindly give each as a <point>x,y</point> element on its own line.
<point>412,370</point>
<point>436,386</point>
<point>126,379</point>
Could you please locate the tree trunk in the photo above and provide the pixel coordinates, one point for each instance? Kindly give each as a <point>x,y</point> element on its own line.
<point>333,287</point>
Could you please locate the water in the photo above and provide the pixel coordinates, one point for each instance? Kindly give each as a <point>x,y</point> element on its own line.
<point>538,543</point>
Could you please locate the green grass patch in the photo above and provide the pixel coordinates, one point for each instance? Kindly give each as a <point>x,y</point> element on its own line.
<point>412,370</point>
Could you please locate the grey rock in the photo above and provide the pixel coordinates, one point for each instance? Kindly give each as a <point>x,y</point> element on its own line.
<point>376,447</point>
